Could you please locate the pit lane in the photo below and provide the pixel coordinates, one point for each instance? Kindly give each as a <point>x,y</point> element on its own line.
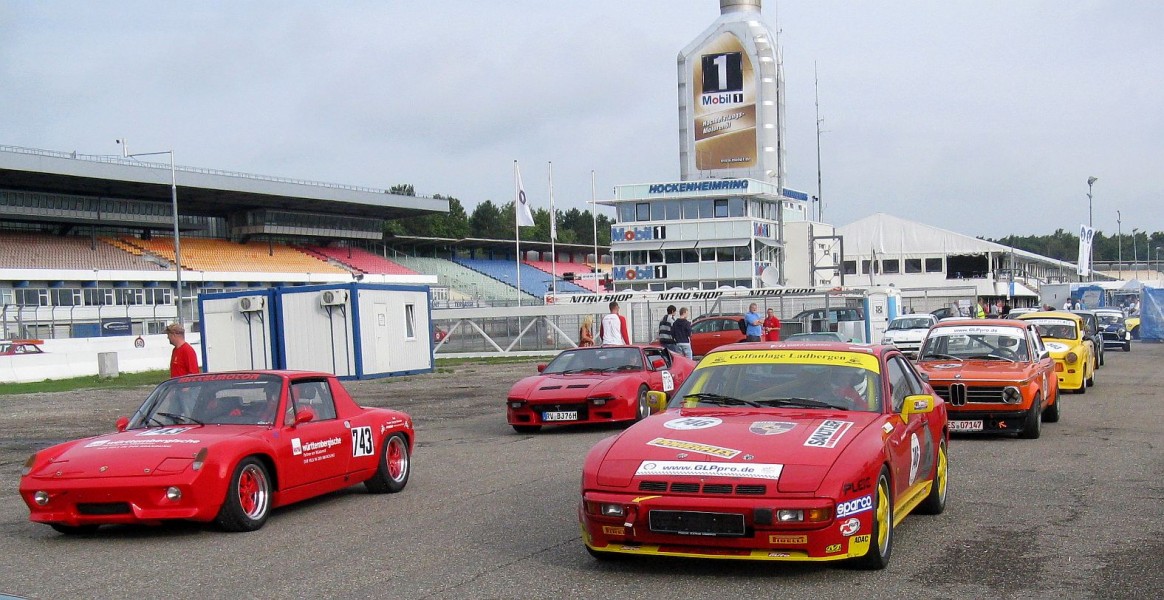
<point>491,514</point>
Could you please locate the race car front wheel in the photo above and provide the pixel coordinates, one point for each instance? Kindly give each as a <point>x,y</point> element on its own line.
<point>73,529</point>
<point>1051,413</point>
<point>1032,425</point>
<point>395,465</point>
<point>935,502</point>
<point>881,542</point>
<point>248,499</point>
<point>642,409</point>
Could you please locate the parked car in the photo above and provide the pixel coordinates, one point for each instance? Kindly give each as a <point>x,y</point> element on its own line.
<point>601,384</point>
<point>906,332</point>
<point>995,375</point>
<point>1114,329</point>
<point>819,336</point>
<point>854,437</point>
<point>224,447</point>
<point>1073,350</point>
<point>821,319</point>
<point>948,312</point>
<point>712,331</point>
<point>14,347</point>
<point>1015,312</point>
<point>1092,330</point>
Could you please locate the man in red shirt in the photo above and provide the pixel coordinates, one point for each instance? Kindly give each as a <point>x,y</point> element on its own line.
<point>183,361</point>
<point>772,327</point>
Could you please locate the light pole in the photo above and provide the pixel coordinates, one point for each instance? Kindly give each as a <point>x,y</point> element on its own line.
<point>1135,256</point>
<point>174,207</point>
<point>1119,245</point>
<point>1090,222</point>
<point>1157,275</point>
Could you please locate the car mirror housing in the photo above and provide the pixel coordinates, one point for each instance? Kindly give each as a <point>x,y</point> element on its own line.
<point>541,367</point>
<point>304,415</point>
<point>122,423</point>
<point>917,404</point>
<point>657,401</point>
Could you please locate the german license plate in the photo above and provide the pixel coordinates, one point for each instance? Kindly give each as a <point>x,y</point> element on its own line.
<point>965,425</point>
<point>572,415</point>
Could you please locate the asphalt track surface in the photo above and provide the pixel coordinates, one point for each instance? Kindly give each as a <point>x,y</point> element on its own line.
<point>489,513</point>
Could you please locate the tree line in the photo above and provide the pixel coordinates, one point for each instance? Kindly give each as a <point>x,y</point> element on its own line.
<point>496,221</point>
<point>1064,245</point>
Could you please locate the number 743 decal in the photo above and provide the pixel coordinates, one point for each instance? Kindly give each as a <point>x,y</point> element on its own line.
<point>362,444</point>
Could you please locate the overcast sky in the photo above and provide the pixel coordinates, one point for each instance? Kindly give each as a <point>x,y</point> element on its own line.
<point>982,117</point>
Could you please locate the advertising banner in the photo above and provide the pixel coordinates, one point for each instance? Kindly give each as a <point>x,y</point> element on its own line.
<point>1085,236</point>
<point>724,106</point>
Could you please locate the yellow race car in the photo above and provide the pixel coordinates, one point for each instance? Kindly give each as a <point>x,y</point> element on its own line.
<point>1070,345</point>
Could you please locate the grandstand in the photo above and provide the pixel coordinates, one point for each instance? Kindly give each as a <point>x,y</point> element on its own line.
<point>560,269</point>
<point>360,260</point>
<point>20,250</point>
<point>472,284</point>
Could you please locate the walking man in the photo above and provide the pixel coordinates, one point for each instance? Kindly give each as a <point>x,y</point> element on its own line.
<point>183,361</point>
<point>612,329</point>
<point>666,334</point>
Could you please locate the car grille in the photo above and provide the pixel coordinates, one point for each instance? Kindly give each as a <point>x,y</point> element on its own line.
<point>103,508</point>
<point>958,394</point>
<point>550,387</point>
<point>697,523</point>
<point>710,488</point>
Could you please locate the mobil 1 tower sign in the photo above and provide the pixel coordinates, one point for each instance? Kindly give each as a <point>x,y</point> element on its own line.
<point>731,99</point>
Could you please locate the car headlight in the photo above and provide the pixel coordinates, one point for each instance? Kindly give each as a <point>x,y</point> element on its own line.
<point>1012,395</point>
<point>28,465</point>
<point>513,403</point>
<point>1071,358</point>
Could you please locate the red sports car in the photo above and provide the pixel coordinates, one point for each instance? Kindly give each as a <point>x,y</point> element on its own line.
<point>595,385</point>
<point>788,451</point>
<point>712,331</point>
<point>224,447</point>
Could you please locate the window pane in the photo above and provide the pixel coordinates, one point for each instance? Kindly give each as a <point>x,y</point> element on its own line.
<point>672,210</point>
<point>643,211</point>
<point>657,212</point>
<point>850,267</point>
<point>409,322</point>
<point>721,209</point>
<point>890,266</point>
<point>736,207</point>
<point>933,265</point>
<point>913,265</point>
<point>706,209</point>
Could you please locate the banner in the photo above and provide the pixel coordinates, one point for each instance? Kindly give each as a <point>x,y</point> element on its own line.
<point>524,215</point>
<point>1085,236</point>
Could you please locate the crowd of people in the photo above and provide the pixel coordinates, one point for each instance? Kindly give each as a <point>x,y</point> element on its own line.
<point>674,329</point>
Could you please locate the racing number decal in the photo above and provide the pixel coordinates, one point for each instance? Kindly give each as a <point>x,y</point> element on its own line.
<point>668,381</point>
<point>914,457</point>
<point>362,444</point>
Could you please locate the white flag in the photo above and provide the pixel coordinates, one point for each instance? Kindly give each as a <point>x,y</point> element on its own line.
<point>1085,238</point>
<point>524,215</point>
<point>553,213</point>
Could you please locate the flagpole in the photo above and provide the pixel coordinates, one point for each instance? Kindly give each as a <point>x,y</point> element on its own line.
<point>594,217</point>
<point>553,235</point>
<point>517,227</point>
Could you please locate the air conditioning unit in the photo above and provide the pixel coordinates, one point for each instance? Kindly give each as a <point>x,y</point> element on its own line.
<point>251,303</point>
<point>333,297</point>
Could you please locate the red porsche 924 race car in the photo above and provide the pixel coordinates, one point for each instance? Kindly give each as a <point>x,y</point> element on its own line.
<point>224,447</point>
<point>786,452</point>
<point>595,385</point>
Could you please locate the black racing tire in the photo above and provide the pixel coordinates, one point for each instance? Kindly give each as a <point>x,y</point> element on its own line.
<point>1135,332</point>
<point>1032,425</point>
<point>395,466</point>
<point>1102,360</point>
<point>74,529</point>
<point>605,556</point>
<point>935,502</point>
<point>248,497</point>
<point>527,428</point>
<point>1051,413</point>
<point>642,409</point>
<point>1127,346</point>
<point>877,557</point>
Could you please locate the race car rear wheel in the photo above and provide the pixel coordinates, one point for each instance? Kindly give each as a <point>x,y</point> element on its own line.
<point>1032,425</point>
<point>73,529</point>
<point>527,428</point>
<point>642,410</point>
<point>882,537</point>
<point>1051,413</point>
<point>395,466</point>
<point>935,503</point>
<point>1127,346</point>
<point>248,499</point>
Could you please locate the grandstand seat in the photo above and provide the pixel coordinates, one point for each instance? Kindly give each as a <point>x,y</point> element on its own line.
<point>20,250</point>
<point>361,260</point>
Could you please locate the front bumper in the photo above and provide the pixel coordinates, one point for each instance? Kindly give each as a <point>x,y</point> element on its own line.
<point>1071,376</point>
<point>586,411</point>
<point>760,540</point>
<point>993,421</point>
<point>121,500</point>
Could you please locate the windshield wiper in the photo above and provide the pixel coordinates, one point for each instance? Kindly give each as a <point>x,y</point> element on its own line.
<point>991,357</point>
<point>942,356</point>
<point>180,418</point>
<point>721,400</point>
<point>802,402</point>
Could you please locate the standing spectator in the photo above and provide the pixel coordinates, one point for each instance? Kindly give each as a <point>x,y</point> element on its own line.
<point>998,309</point>
<point>772,327</point>
<point>586,332</point>
<point>665,337</point>
<point>755,323</point>
<point>681,333</point>
<point>981,311</point>
<point>1006,308</point>
<point>612,329</point>
<point>183,361</point>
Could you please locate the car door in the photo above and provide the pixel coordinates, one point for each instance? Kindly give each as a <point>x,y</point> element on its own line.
<point>911,444</point>
<point>659,379</point>
<point>1046,365</point>
<point>316,450</point>
<point>706,335</point>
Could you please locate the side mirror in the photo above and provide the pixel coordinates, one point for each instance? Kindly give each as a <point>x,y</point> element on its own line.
<point>122,423</point>
<point>1045,354</point>
<point>304,415</point>
<point>925,377</point>
<point>918,404</point>
<point>541,367</point>
<point>658,363</point>
<point>657,401</point>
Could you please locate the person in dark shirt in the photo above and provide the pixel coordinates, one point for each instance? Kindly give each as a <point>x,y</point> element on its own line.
<point>665,338</point>
<point>681,333</point>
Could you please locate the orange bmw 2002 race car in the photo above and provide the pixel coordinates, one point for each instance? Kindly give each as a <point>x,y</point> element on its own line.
<point>1071,346</point>
<point>995,375</point>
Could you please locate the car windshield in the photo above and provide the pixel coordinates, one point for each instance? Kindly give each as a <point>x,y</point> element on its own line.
<point>605,360</point>
<point>820,336</point>
<point>911,323</point>
<point>1111,318</point>
<point>807,379</point>
<point>975,342</point>
<point>1059,329</point>
<point>222,398</point>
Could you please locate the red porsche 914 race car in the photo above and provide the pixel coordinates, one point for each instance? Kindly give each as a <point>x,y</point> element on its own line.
<point>785,452</point>
<point>595,385</point>
<point>223,447</point>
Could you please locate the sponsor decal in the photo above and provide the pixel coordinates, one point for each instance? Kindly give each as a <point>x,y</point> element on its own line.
<point>787,539</point>
<point>779,555</point>
<point>1051,321</point>
<point>632,273</point>
<point>827,434</point>
<point>919,404</point>
<point>314,451</point>
<point>362,444</point>
<point>166,431</point>
<point>887,428</point>
<point>148,443</point>
<point>979,330</point>
<point>850,527</point>
<point>856,358</point>
<point>914,457</point>
<point>708,469</point>
<point>771,427</point>
<point>707,449</point>
<point>689,423</point>
<point>296,447</point>
<point>608,530</point>
<point>855,486</point>
<point>832,548</point>
<point>644,499</point>
<point>223,377</point>
<point>1056,346</point>
<point>861,539</point>
<point>855,506</point>
<point>668,381</point>
<point>698,186</point>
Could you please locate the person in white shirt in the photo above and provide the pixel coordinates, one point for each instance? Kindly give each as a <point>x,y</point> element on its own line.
<point>612,329</point>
